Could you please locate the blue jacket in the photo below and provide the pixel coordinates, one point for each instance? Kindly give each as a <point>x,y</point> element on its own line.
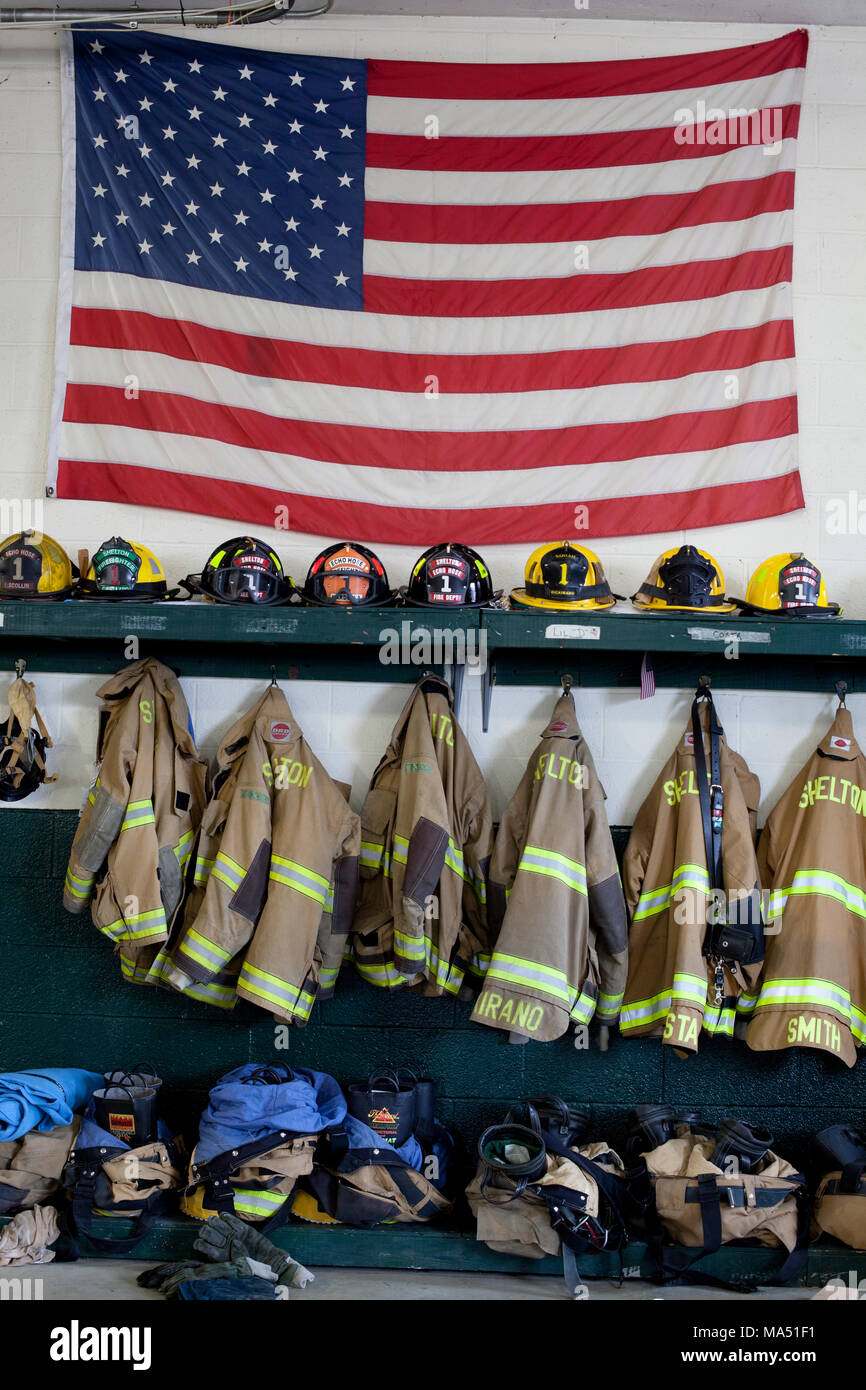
<point>254,1100</point>
<point>42,1099</point>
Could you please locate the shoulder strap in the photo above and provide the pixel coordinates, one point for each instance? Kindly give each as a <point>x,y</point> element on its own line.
<point>711,797</point>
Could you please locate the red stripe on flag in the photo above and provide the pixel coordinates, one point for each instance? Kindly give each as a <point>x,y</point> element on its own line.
<point>546,222</point>
<point>514,153</point>
<point>549,81</point>
<point>623,516</point>
<point>577,294</point>
<point>449,451</point>
<point>490,373</point>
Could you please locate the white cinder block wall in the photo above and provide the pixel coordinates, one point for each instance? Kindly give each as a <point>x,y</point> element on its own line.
<point>347,724</point>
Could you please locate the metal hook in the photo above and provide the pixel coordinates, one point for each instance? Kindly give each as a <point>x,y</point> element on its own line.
<point>567,682</point>
<point>703,682</point>
<point>20,667</point>
<point>841,691</point>
<point>273,675</point>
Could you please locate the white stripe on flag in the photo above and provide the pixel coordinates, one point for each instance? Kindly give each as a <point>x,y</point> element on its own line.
<point>609,256</point>
<point>738,463</point>
<point>400,410</point>
<point>396,333</point>
<point>531,186</point>
<point>578,115</point>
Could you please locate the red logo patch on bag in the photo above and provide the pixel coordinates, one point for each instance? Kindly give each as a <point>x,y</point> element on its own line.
<point>121,1125</point>
<point>280,732</point>
<point>384,1123</point>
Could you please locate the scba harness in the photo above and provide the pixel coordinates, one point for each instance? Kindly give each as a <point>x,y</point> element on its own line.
<point>540,1191</point>
<point>107,1178</point>
<point>702,1188</point>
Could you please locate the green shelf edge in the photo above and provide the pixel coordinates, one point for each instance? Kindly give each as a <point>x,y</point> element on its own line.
<point>437,1248</point>
<point>314,643</point>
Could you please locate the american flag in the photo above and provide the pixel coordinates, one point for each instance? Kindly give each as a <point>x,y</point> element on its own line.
<point>412,301</point>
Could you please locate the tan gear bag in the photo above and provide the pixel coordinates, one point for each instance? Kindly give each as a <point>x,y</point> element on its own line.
<point>699,1206</point>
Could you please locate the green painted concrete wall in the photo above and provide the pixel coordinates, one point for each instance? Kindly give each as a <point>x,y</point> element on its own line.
<point>64,1003</point>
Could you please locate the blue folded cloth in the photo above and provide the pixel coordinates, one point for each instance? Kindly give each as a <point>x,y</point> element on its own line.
<point>206,1290</point>
<point>42,1099</point>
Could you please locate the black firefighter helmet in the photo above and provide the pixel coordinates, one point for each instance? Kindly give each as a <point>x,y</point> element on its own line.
<point>242,570</point>
<point>450,576</point>
<point>347,573</point>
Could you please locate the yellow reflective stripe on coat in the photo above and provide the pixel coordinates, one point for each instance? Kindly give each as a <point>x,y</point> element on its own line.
<point>384,976</point>
<point>209,992</point>
<point>293,875</point>
<point>657,899</point>
<point>690,989</point>
<point>811,993</point>
<point>203,869</point>
<point>132,971</point>
<point>138,813</point>
<point>817,882</point>
<point>422,951</point>
<point>410,947</point>
<point>609,1005</point>
<point>227,871</point>
<point>205,952</point>
<point>536,860</point>
<point>720,1020</point>
<point>257,1202</point>
<point>373,855</point>
<point>183,848</point>
<point>124,928</point>
<point>288,997</point>
<point>584,1007</point>
<point>532,975</point>
<point>79,887</point>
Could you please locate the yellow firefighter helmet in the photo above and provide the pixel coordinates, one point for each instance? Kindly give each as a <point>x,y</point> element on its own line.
<point>565,578</point>
<point>684,579</point>
<point>122,569</point>
<point>34,566</point>
<point>791,586</point>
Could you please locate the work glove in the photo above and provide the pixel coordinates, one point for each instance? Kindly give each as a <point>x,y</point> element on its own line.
<point>228,1237</point>
<point>167,1278</point>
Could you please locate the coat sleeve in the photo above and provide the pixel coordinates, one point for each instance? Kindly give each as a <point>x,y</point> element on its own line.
<point>636,857</point>
<point>104,811</point>
<point>505,859</point>
<point>236,892</point>
<point>477,851</point>
<point>340,908</point>
<point>607,914</point>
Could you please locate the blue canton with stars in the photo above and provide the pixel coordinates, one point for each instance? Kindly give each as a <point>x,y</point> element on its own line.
<point>222,168</point>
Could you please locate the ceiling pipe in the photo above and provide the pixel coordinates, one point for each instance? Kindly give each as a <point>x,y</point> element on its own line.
<point>251,13</point>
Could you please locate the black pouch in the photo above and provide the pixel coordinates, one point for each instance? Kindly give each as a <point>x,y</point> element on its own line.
<point>387,1103</point>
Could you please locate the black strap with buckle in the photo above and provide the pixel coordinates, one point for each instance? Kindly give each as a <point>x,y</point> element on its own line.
<point>732,935</point>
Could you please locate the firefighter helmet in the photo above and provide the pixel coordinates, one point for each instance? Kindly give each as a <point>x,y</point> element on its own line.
<point>33,566</point>
<point>450,575</point>
<point>564,577</point>
<point>242,570</point>
<point>687,579</point>
<point>789,586</point>
<point>347,574</point>
<point>122,569</point>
